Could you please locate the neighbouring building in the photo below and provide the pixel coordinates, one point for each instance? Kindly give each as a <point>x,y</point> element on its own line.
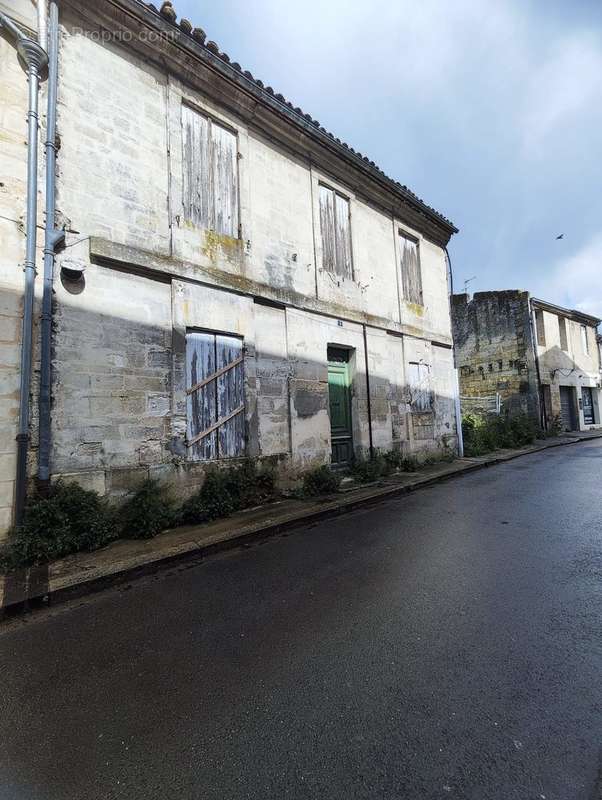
<point>235,281</point>
<point>535,357</point>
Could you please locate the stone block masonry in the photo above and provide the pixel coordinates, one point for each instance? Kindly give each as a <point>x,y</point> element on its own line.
<point>153,274</point>
<point>494,348</point>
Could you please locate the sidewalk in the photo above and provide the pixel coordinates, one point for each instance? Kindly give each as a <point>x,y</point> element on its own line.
<point>123,560</point>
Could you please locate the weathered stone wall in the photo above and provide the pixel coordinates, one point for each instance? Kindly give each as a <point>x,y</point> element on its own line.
<point>494,352</point>
<point>118,409</point>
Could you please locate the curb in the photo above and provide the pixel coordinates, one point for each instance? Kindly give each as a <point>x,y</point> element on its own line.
<point>43,594</point>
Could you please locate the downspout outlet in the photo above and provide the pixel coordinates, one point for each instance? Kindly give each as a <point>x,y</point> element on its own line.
<point>31,54</point>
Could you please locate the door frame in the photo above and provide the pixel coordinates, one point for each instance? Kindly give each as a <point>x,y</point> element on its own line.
<point>339,360</point>
<point>573,405</point>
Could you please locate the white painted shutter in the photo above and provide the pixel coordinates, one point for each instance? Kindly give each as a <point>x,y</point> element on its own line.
<point>225,183</point>
<point>410,270</point>
<point>215,396</point>
<point>230,397</point>
<point>336,233</point>
<point>201,405</point>
<point>196,188</point>
<point>327,213</point>
<point>343,237</point>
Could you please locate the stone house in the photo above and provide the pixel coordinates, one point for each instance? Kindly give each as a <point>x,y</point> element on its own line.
<point>538,358</point>
<point>234,282</point>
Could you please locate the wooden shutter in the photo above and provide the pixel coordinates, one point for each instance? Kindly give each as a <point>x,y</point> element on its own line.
<point>196,183</point>
<point>539,328</point>
<point>343,238</point>
<point>564,343</point>
<point>336,232</point>
<point>410,270</point>
<point>201,404</point>
<point>230,397</point>
<point>215,396</point>
<point>327,226</point>
<point>210,174</point>
<point>225,183</point>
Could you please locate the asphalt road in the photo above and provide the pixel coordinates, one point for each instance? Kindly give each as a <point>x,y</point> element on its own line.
<point>446,644</point>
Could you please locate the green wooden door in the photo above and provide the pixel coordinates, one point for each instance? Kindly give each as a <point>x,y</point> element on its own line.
<point>339,392</point>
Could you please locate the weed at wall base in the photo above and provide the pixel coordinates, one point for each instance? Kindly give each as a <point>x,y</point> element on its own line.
<point>485,434</point>
<point>69,519</point>
<point>147,512</point>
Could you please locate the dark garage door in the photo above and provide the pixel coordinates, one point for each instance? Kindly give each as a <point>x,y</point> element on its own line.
<point>567,413</point>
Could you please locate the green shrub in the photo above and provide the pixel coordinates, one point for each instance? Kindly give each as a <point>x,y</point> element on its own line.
<point>397,461</point>
<point>147,512</point>
<point>212,501</point>
<point>366,470</point>
<point>226,491</point>
<point>67,520</point>
<point>321,480</point>
<point>250,485</point>
<point>484,434</point>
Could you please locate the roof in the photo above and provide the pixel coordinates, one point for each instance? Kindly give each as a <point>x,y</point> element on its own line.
<point>167,13</point>
<point>572,313</point>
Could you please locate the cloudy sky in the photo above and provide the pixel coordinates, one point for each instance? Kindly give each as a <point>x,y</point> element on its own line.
<point>489,110</point>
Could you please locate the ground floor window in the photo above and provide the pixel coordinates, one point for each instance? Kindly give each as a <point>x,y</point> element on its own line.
<point>214,396</point>
<point>419,385</point>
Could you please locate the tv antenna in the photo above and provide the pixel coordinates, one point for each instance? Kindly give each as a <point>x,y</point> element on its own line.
<point>467,281</point>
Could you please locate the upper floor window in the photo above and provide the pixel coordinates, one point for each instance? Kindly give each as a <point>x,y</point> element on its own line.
<point>335,226</point>
<point>210,173</point>
<point>411,279</point>
<point>539,327</point>
<point>584,339</point>
<point>564,343</point>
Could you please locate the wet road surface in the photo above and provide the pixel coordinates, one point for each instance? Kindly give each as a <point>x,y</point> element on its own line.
<point>446,644</point>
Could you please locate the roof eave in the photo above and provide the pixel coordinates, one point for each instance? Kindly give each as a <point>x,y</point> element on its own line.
<point>572,313</point>
<point>220,62</point>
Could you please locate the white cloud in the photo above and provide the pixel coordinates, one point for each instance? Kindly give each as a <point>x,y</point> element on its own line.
<point>576,281</point>
<point>491,111</point>
<point>564,89</point>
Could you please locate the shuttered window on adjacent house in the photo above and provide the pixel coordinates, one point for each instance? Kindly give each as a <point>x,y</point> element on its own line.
<point>210,173</point>
<point>335,226</point>
<point>564,343</point>
<point>539,328</point>
<point>214,396</point>
<point>419,385</point>
<point>411,279</point>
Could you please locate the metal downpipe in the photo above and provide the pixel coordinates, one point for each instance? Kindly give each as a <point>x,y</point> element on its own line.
<point>457,404</point>
<point>35,59</point>
<point>52,237</point>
